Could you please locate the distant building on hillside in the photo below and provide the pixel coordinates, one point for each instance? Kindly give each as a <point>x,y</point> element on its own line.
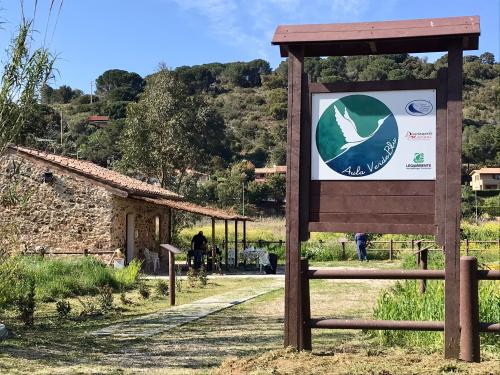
<point>99,121</point>
<point>262,173</point>
<point>486,179</point>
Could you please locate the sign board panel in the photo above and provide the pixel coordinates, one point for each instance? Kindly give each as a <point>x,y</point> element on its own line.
<point>374,135</point>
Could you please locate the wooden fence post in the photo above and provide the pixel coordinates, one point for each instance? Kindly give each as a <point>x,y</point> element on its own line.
<point>467,246</point>
<point>391,248</point>
<point>171,277</point>
<point>423,266</point>
<point>305,342</point>
<point>470,350</point>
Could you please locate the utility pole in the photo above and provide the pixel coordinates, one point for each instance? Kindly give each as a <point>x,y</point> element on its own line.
<point>91,91</point>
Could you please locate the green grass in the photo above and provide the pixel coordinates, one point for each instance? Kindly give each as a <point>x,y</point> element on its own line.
<point>59,278</point>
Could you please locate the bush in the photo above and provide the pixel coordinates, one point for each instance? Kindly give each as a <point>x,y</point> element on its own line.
<point>63,309</point>
<point>144,290</point>
<point>25,302</point>
<point>124,300</point>
<point>202,277</point>
<point>105,298</point>
<point>191,276</point>
<point>161,288</point>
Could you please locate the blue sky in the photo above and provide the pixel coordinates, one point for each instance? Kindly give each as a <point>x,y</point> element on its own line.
<point>92,36</point>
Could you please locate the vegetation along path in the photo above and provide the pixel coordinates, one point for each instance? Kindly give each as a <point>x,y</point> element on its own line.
<point>165,320</point>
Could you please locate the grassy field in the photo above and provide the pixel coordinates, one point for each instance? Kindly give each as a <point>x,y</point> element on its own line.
<point>245,339</point>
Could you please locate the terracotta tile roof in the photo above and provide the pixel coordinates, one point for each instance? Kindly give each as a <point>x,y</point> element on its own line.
<point>102,175</point>
<point>98,118</point>
<point>196,209</point>
<point>487,170</point>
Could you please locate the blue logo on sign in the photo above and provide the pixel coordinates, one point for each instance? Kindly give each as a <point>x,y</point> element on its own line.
<point>357,135</point>
<point>419,107</point>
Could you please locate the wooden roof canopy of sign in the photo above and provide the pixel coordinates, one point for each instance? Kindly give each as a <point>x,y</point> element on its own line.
<point>372,38</point>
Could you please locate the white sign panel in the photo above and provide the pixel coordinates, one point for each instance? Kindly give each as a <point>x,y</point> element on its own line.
<point>376,135</point>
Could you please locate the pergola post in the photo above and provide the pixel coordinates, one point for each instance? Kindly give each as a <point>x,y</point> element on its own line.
<point>226,261</point>
<point>236,244</point>
<point>214,253</point>
<point>244,234</point>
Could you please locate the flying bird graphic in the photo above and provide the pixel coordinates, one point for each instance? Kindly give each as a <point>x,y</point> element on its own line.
<point>350,131</point>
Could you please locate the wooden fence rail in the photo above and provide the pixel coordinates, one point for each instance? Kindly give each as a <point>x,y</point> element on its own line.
<point>469,304</point>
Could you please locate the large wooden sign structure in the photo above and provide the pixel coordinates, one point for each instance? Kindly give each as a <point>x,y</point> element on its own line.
<point>373,179</point>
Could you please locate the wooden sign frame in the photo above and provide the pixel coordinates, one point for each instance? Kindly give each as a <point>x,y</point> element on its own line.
<point>442,197</point>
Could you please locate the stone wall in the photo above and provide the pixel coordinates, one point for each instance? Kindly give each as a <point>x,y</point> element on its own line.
<point>145,226</point>
<point>64,215</point>
<point>69,214</point>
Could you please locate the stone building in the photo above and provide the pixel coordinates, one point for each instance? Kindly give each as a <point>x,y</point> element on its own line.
<point>69,205</point>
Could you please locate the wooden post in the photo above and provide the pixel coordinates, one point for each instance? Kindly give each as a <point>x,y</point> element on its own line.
<point>214,253</point>
<point>391,248</point>
<point>423,265</point>
<point>419,246</point>
<point>226,245</point>
<point>467,246</point>
<point>293,285</point>
<point>453,183</point>
<point>342,243</point>
<point>305,343</point>
<point>470,349</point>
<point>236,244</point>
<point>244,234</point>
<point>171,277</point>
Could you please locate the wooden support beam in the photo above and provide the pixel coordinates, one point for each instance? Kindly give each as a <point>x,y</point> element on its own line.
<point>244,234</point>
<point>293,285</point>
<point>214,253</point>
<point>453,183</point>
<point>226,258</point>
<point>236,243</point>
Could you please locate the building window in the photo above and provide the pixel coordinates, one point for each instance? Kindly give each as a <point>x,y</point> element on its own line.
<point>157,228</point>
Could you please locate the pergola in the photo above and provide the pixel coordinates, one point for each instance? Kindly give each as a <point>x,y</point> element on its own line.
<point>214,214</point>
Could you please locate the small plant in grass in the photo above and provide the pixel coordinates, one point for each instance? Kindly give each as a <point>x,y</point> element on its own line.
<point>161,288</point>
<point>124,300</point>
<point>26,301</point>
<point>63,309</point>
<point>178,280</point>
<point>191,275</point>
<point>202,277</point>
<point>89,307</point>
<point>144,290</point>
<point>105,298</point>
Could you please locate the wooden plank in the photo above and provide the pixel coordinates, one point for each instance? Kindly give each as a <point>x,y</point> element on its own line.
<point>236,244</point>
<point>368,204</point>
<point>450,26</point>
<point>372,227</point>
<point>293,296</point>
<point>415,84</point>
<point>372,218</point>
<point>403,188</point>
<point>441,136</point>
<point>453,198</point>
<point>214,253</point>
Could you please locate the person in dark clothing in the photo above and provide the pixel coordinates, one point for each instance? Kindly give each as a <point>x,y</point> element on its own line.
<point>361,241</point>
<point>198,245</point>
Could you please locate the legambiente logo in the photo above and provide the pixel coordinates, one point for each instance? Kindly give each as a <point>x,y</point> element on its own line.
<point>357,135</point>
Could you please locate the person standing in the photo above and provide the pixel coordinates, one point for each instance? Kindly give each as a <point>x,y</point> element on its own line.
<point>361,240</point>
<point>198,245</point>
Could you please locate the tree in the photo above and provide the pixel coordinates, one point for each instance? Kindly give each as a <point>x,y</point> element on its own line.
<point>167,131</point>
<point>116,85</point>
<point>24,74</point>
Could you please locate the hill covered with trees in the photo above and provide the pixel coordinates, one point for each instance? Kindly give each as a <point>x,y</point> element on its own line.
<point>224,119</point>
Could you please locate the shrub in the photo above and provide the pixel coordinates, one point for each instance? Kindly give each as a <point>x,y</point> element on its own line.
<point>178,280</point>
<point>105,298</point>
<point>161,288</point>
<point>63,309</point>
<point>127,276</point>
<point>202,277</point>
<point>25,302</point>
<point>191,276</point>
<point>144,290</point>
